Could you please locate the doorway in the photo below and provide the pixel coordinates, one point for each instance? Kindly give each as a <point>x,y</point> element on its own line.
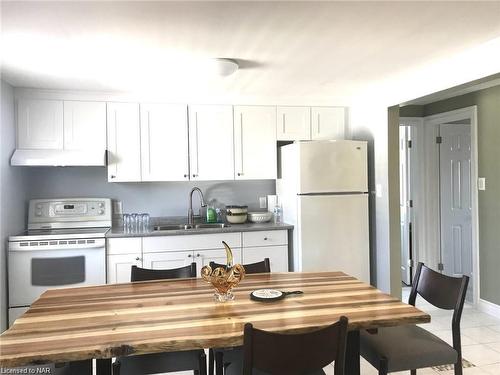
<point>438,200</point>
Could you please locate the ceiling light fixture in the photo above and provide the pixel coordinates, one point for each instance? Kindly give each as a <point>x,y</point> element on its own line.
<point>225,67</point>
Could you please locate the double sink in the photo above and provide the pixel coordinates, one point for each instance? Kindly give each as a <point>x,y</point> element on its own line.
<point>168,227</point>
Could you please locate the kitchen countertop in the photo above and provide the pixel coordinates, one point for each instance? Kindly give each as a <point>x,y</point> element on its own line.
<point>117,232</point>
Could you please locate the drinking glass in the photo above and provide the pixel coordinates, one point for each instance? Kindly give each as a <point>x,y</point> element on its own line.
<point>133,222</point>
<point>126,223</point>
<point>145,222</point>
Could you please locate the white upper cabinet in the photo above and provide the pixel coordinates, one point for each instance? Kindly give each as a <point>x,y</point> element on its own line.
<point>164,142</point>
<point>85,126</point>
<point>255,142</point>
<point>39,124</point>
<point>211,142</point>
<point>124,145</point>
<point>293,123</point>
<point>327,123</point>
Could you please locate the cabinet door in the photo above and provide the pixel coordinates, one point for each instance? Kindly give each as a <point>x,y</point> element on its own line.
<point>164,142</point>
<point>293,123</point>
<point>204,257</point>
<point>124,148</point>
<point>85,126</point>
<point>119,267</point>
<point>40,124</point>
<point>211,142</point>
<point>168,260</point>
<point>278,256</point>
<point>327,123</point>
<point>255,149</point>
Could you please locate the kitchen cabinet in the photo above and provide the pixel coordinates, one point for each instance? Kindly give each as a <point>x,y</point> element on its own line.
<point>293,123</point>
<point>272,244</point>
<point>85,126</point>
<point>164,142</point>
<point>121,255</point>
<point>255,151</point>
<point>211,142</point>
<point>40,124</point>
<point>124,145</point>
<point>327,123</point>
<point>168,259</point>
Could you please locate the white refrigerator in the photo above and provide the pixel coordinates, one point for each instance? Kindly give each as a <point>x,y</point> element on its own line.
<point>323,191</point>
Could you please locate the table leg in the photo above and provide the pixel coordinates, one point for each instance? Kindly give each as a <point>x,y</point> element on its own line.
<point>352,354</point>
<point>81,367</point>
<point>103,366</point>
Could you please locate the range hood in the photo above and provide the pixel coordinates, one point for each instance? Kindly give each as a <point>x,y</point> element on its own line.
<point>58,158</point>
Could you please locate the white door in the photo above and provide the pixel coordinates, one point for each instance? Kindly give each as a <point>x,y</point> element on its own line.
<point>85,126</point>
<point>455,196</point>
<point>255,152</point>
<point>278,256</point>
<point>164,142</point>
<point>327,123</point>
<point>168,259</point>
<point>40,124</point>
<point>333,235</point>
<point>293,123</point>
<point>124,142</point>
<point>404,206</point>
<point>204,257</point>
<point>119,267</point>
<point>333,166</point>
<point>211,142</point>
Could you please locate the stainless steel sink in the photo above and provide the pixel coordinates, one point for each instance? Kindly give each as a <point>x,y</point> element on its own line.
<point>208,226</point>
<point>167,227</point>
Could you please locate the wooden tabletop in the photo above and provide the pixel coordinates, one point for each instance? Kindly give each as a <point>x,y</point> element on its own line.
<point>135,318</point>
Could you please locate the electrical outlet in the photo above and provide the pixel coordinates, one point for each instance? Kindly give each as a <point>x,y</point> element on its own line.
<point>262,202</point>
<point>378,190</point>
<point>481,183</point>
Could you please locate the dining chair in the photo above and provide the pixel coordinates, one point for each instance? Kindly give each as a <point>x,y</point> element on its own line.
<point>411,347</point>
<point>217,355</point>
<point>293,354</point>
<point>155,363</point>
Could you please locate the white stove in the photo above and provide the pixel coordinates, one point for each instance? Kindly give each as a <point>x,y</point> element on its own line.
<point>63,247</point>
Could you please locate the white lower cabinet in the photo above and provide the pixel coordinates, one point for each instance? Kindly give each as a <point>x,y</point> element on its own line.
<point>119,267</point>
<point>278,256</point>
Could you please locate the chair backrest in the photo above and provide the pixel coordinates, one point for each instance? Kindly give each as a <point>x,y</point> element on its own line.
<point>294,354</point>
<point>258,267</point>
<point>144,274</point>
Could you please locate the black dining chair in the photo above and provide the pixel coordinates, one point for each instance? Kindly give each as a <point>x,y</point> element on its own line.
<point>155,363</point>
<point>223,357</point>
<point>411,347</point>
<point>292,354</point>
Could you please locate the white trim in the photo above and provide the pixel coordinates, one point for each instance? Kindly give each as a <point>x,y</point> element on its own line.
<point>460,114</point>
<point>488,307</point>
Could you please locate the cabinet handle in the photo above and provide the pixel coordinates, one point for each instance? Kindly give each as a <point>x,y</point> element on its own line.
<point>113,176</point>
<point>198,255</point>
<point>195,175</point>
<point>240,174</point>
<point>265,238</point>
<point>189,255</point>
<point>137,258</point>
<point>186,176</point>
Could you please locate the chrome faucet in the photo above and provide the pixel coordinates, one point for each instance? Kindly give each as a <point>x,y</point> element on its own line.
<point>190,210</point>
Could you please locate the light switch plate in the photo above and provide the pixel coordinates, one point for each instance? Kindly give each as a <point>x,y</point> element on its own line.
<point>481,183</point>
<point>262,202</point>
<point>378,190</point>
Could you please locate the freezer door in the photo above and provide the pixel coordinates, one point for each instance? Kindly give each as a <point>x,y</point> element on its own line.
<point>333,166</point>
<point>334,235</point>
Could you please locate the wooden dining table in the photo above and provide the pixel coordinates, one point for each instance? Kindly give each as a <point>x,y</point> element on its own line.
<point>76,325</point>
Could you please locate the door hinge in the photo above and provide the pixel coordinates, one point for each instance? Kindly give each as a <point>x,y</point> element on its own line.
<point>440,266</point>
<point>409,143</point>
<point>439,139</point>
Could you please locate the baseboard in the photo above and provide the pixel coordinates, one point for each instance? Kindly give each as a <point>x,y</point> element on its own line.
<point>488,307</point>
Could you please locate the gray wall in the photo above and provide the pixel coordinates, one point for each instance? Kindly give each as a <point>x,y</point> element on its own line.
<point>156,198</point>
<point>12,191</point>
<point>488,116</point>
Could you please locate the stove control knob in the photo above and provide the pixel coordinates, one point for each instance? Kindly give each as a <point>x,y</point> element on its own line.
<point>39,213</point>
<point>38,206</point>
<point>101,205</point>
<point>101,212</point>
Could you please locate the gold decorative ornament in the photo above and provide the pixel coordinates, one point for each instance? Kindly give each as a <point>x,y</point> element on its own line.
<point>224,279</point>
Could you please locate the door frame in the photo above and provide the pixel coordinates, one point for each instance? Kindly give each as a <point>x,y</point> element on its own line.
<point>432,153</point>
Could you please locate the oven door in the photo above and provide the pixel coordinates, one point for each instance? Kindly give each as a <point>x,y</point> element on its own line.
<point>37,266</point>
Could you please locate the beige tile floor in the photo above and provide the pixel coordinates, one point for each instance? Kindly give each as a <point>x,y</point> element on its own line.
<point>480,340</point>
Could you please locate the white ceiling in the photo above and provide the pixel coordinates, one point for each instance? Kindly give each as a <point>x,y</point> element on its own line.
<point>315,51</point>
